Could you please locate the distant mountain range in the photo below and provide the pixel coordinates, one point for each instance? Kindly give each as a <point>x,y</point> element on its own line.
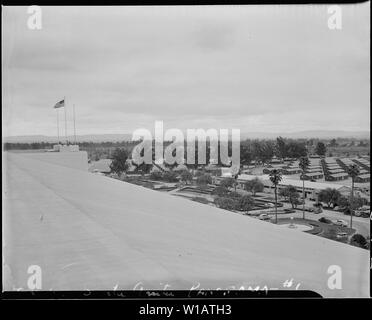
<point>79,138</point>
<point>320,134</point>
<point>324,134</point>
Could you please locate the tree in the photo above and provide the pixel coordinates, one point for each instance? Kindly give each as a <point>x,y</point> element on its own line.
<point>348,204</point>
<point>266,151</point>
<point>236,176</point>
<point>357,201</point>
<point>170,176</point>
<point>294,199</point>
<point>275,177</point>
<point>225,203</point>
<point>343,202</point>
<point>304,164</point>
<point>186,176</point>
<point>228,183</point>
<point>263,151</point>
<point>329,196</point>
<point>203,180</point>
<point>284,193</point>
<point>235,195</point>
<point>246,203</point>
<point>254,186</point>
<point>156,175</point>
<point>296,149</point>
<point>256,150</point>
<point>221,191</point>
<point>353,172</point>
<point>333,143</point>
<point>199,173</point>
<point>351,204</point>
<point>119,162</point>
<point>320,149</point>
<point>281,148</point>
<point>290,193</point>
<point>245,153</point>
<point>144,168</point>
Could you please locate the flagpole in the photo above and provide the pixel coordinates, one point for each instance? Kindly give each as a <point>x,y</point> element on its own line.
<point>74,123</point>
<point>57,124</point>
<point>64,99</point>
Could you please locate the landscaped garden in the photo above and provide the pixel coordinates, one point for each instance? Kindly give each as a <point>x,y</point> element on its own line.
<point>326,230</point>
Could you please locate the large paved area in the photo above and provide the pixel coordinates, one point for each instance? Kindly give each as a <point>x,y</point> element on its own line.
<point>91,232</point>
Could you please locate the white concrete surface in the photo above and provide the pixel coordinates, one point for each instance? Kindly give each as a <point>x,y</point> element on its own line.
<point>92,232</point>
<point>73,159</point>
<point>297,227</point>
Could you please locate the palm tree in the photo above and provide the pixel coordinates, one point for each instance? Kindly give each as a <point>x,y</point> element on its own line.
<point>275,178</point>
<point>236,173</point>
<point>304,165</point>
<point>353,172</point>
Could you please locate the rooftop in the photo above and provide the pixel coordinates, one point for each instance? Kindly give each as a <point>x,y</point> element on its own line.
<point>92,232</point>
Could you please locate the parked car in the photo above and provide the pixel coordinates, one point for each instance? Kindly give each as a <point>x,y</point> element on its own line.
<point>325,220</point>
<point>318,204</point>
<point>363,212</point>
<point>264,216</point>
<point>341,235</point>
<point>341,223</point>
<point>318,210</point>
<point>315,210</point>
<point>287,210</point>
<point>358,213</point>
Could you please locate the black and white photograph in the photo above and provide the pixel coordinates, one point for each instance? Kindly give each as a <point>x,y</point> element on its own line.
<point>185,148</point>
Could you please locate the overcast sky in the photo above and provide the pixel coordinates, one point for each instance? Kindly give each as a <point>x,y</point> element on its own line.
<point>268,68</point>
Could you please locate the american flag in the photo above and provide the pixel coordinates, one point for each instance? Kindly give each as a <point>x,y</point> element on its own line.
<point>60,104</point>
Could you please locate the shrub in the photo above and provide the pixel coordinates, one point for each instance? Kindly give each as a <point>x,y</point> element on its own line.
<point>254,186</point>
<point>358,240</point>
<point>246,203</point>
<point>201,200</point>
<point>204,180</point>
<point>186,176</point>
<point>119,161</point>
<point>170,176</point>
<point>235,195</point>
<point>228,183</point>
<point>156,175</point>
<point>220,191</point>
<point>226,203</point>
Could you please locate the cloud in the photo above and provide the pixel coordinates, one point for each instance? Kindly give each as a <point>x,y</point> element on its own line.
<point>125,67</point>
